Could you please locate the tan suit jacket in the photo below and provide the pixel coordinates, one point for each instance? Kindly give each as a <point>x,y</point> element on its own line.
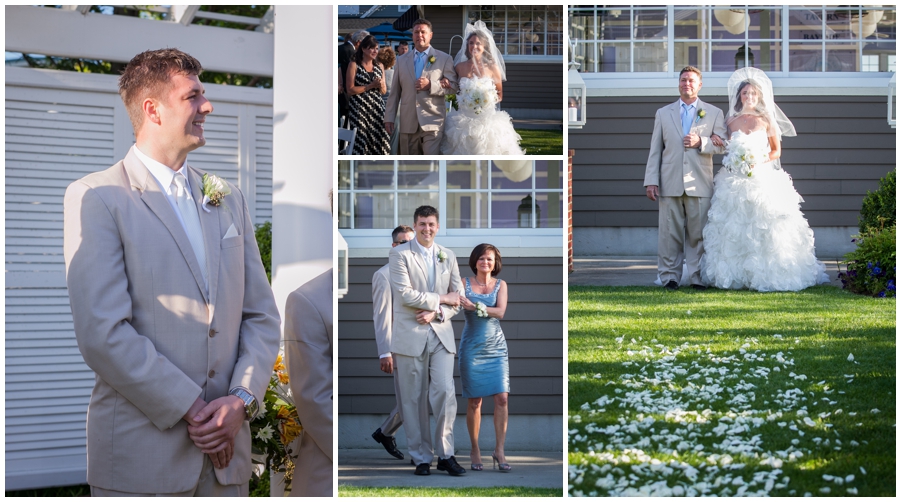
<point>382,311</point>
<point>410,287</point>
<point>420,108</point>
<point>308,357</point>
<point>677,170</point>
<point>154,337</point>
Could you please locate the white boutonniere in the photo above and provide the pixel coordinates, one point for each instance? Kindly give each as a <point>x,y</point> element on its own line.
<point>481,309</point>
<point>431,62</point>
<point>214,190</point>
<point>442,256</point>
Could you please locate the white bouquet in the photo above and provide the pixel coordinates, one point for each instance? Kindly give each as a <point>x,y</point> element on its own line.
<point>481,309</point>
<point>477,94</point>
<point>741,155</point>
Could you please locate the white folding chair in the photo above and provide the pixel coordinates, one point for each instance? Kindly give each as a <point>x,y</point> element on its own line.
<point>348,135</point>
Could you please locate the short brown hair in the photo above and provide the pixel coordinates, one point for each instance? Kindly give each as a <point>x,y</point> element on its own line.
<point>387,57</point>
<point>479,251</point>
<point>424,212</point>
<point>401,229</point>
<point>423,21</point>
<point>691,69</point>
<point>148,74</point>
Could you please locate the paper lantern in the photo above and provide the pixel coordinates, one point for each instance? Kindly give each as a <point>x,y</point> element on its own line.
<point>515,170</point>
<point>742,25</point>
<point>729,17</point>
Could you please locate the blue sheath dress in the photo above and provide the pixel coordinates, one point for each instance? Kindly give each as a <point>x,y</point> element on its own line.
<point>484,369</point>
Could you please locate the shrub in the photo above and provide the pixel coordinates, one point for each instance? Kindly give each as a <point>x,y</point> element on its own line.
<point>878,209</point>
<point>870,269</point>
<point>263,234</point>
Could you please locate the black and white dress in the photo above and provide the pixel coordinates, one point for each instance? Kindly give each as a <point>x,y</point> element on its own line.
<point>366,112</point>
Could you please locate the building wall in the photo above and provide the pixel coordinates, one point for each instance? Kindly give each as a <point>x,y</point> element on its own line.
<point>844,146</point>
<point>533,327</point>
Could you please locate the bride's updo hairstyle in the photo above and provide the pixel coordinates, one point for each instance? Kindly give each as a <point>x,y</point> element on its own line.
<point>761,106</point>
<point>478,252</point>
<point>486,52</point>
<point>367,43</point>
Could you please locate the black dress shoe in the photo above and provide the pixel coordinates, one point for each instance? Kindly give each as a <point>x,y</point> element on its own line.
<point>422,470</point>
<point>699,287</point>
<point>672,285</point>
<point>451,466</point>
<point>388,443</point>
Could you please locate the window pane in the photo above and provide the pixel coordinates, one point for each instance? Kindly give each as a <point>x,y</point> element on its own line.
<point>343,175</point>
<point>581,25</point>
<point>838,23</point>
<point>374,210</point>
<point>766,55</point>
<point>692,53</point>
<point>878,56</point>
<point>469,174</point>
<point>374,174</point>
<point>549,174</point>
<point>549,210</point>
<point>842,57</point>
<point>650,56</point>
<point>650,24</point>
<point>886,25</point>
<point>728,56</point>
<point>691,23</point>
<point>765,23</point>
<point>805,24</point>
<point>343,210</point>
<point>511,210</point>
<point>613,57</point>
<point>408,202</point>
<point>504,172</point>
<point>417,174</point>
<point>467,210</point>
<point>613,24</point>
<point>586,57</point>
<point>805,56</point>
<point>729,24</point>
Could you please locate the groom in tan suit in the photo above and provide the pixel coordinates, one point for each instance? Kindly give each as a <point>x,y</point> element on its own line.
<point>426,285</point>
<point>680,174</point>
<point>170,301</point>
<point>416,88</point>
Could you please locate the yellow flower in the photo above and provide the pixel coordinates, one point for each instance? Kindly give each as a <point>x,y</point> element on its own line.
<point>283,377</point>
<point>289,430</point>
<point>279,365</point>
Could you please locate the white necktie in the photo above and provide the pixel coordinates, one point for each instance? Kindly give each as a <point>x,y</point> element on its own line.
<point>192,223</point>
<point>430,263</point>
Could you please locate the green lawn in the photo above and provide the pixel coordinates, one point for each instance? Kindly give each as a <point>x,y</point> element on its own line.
<point>541,142</point>
<point>731,392</point>
<point>499,491</point>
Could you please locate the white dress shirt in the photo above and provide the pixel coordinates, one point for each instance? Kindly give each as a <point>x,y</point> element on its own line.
<point>164,176</point>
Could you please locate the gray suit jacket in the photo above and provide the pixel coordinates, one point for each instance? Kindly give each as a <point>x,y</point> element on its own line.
<point>422,108</point>
<point>411,293</point>
<point>154,337</point>
<point>308,357</point>
<point>382,314</point>
<point>674,168</point>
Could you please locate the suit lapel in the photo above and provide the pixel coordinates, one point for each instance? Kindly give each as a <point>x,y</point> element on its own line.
<point>417,257</point>
<point>412,65</point>
<point>157,201</point>
<point>440,267</point>
<point>209,223</point>
<point>676,113</point>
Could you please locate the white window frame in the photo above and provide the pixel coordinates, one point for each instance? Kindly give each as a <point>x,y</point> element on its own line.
<point>509,237</point>
<point>530,58</point>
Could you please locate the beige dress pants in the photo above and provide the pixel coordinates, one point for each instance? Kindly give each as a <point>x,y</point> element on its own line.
<point>395,418</point>
<point>680,236</point>
<point>420,143</point>
<point>207,486</point>
<point>423,380</point>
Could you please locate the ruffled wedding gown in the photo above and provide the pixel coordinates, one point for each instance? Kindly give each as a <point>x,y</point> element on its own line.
<point>478,128</point>
<point>756,236</point>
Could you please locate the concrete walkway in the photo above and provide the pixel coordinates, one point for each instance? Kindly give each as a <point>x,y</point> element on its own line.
<point>640,271</point>
<point>374,467</point>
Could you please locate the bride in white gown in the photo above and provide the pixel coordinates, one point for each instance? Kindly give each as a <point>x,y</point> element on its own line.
<point>756,236</point>
<point>479,127</point>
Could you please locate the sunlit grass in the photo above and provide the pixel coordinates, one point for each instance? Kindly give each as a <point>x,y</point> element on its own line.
<point>541,141</point>
<point>400,491</point>
<point>819,328</point>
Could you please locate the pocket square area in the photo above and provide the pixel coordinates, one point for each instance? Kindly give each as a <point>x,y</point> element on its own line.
<point>232,232</point>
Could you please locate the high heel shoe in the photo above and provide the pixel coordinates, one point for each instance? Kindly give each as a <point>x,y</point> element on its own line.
<point>475,467</point>
<point>499,466</point>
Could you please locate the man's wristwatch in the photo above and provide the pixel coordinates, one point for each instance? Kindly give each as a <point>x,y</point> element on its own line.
<point>250,404</point>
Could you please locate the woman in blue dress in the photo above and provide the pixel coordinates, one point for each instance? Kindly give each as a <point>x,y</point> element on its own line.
<point>484,369</point>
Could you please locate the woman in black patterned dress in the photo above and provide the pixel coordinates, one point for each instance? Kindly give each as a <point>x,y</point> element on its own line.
<point>366,109</point>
